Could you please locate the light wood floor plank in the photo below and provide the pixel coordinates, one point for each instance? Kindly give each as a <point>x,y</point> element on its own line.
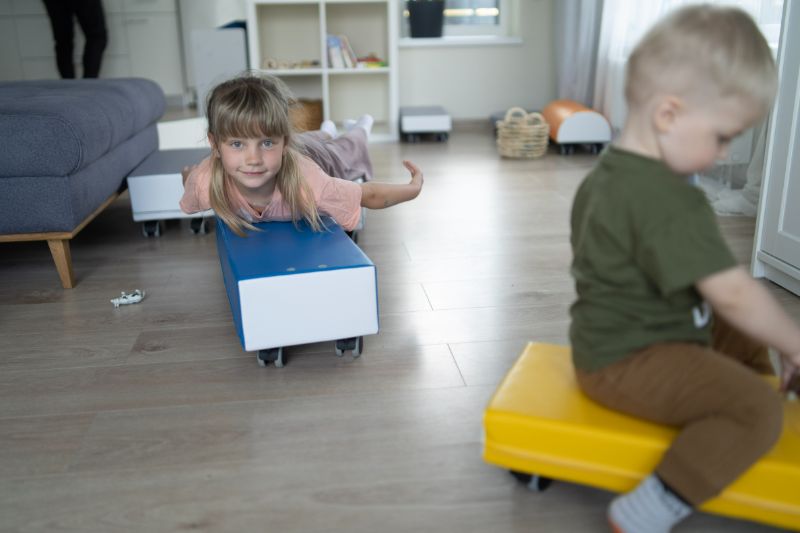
<point>223,378</point>
<point>33,446</point>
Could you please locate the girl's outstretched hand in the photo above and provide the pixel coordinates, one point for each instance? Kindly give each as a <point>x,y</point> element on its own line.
<point>375,195</point>
<point>416,175</point>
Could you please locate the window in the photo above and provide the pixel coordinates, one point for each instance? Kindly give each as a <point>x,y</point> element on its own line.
<point>473,18</point>
<point>472,13</point>
<point>638,17</point>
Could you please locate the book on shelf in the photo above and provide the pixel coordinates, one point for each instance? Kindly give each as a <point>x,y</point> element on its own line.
<point>340,53</point>
<point>349,56</point>
<point>335,56</point>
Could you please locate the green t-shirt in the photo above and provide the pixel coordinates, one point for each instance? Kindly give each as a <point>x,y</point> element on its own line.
<point>641,237</point>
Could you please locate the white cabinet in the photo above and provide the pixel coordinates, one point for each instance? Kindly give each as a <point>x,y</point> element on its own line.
<point>776,252</point>
<point>143,41</point>
<point>154,48</point>
<point>284,34</point>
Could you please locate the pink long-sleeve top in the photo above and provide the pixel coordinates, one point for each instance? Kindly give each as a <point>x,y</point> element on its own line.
<point>340,199</point>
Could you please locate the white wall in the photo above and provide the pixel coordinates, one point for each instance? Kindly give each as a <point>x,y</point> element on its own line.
<point>474,81</point>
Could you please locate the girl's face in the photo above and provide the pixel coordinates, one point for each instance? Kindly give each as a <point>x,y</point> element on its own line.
<point>252,163</point>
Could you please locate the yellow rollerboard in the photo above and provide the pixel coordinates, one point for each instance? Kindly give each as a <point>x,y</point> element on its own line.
<point>540,426</point>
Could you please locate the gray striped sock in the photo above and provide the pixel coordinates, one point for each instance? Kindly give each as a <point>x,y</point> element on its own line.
<point>649,508</point>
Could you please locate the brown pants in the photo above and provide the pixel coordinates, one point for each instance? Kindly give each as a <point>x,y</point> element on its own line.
<point>728,415</point>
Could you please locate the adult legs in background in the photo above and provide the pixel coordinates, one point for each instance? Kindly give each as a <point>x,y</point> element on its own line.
<point>60,14</point>
<point>93,24</point>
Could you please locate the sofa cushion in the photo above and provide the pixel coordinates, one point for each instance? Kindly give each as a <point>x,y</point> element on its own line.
<point>33,204</point>
<point>59,127</point>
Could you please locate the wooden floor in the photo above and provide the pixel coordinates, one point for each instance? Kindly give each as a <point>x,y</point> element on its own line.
<point>151,418</point>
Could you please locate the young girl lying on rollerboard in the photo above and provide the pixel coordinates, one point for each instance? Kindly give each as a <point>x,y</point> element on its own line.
<point>259,170</point>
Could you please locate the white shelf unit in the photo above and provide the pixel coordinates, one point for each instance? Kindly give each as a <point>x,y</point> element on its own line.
<point>296,30</point>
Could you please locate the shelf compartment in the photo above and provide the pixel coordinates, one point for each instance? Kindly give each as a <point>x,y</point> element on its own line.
<point>365,24</point>
<point>356,93</point>
<point>307,87</point>
<point>288,32</point>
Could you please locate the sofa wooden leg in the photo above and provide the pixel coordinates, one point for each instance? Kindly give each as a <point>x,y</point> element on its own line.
<point>59,248</point>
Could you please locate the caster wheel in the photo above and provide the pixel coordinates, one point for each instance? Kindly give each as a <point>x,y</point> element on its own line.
<point>441,137</point>
<point>353,344</point>
<point>270,355</point>
<point>151,228</point>
<point>199,226</point>
<point>534,482</point>
<point>562,149</point>
<point>340,347</point>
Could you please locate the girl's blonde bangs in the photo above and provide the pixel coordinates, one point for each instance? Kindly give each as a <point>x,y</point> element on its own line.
<point>244,119</point>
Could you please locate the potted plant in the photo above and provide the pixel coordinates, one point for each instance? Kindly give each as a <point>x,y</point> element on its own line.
<point>425,17</point>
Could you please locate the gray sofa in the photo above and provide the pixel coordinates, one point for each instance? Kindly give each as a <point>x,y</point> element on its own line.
<point>67,146</point>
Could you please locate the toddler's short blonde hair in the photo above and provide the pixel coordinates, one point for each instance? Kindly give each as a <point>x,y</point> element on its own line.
<point>704,52</point>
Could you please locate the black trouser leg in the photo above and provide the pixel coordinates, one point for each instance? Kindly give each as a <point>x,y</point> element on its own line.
<point>93,24</point>
<point>60,13</point>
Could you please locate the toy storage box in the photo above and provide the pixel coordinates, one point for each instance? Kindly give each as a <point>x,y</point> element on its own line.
<point>156,188</point>
<point>572,123</point>
<point>289,286</point>
<point>418,121</point>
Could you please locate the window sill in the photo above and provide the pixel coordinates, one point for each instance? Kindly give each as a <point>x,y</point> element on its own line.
<point>465,40</point>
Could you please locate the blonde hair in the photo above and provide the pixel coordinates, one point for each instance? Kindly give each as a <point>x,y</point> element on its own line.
<point>706,51</point>
<point>252,105</point>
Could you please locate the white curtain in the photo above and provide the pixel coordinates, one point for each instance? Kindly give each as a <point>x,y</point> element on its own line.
<point>733,185</point>
<point>623,23</point>
<point>577,24</point>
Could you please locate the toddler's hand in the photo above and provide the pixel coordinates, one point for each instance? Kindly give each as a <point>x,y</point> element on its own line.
<point>416,174</point>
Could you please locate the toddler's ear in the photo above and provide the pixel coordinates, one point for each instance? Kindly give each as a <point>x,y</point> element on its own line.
<point>666,111</point>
